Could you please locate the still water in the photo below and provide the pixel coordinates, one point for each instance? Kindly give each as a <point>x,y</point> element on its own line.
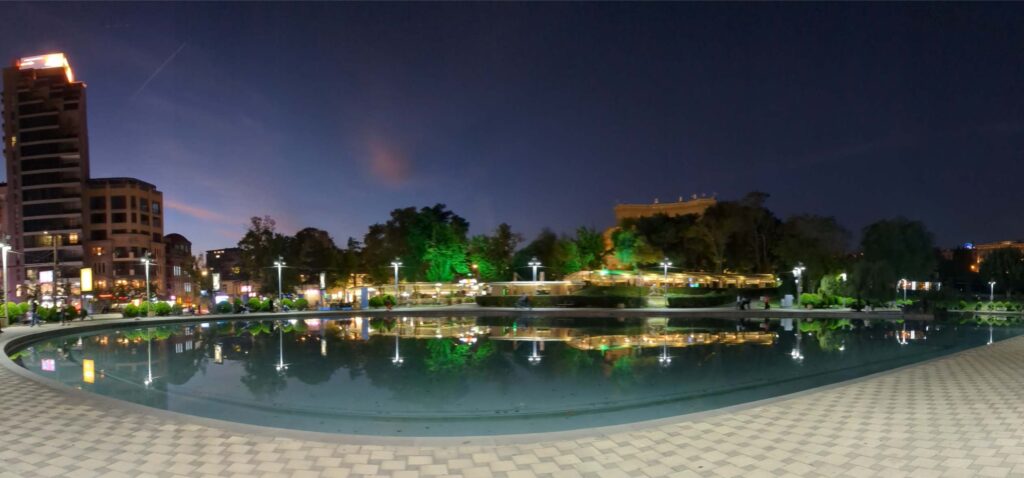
<point>480,376</point>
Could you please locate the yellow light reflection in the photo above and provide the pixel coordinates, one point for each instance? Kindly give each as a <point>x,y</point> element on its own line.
<point>88,371</point>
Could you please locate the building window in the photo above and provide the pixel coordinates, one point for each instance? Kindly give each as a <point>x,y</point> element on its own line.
<point>177,271</point>
<point>119,218</point>
<point>118,202</point>
<point>98,218</point>
<point>98,202</point>
<point>156,222</point>
<point>133,202</point>
<point>187,287</point>
<point>97,251</point>
<point>144,218</point>
<point>135,218</point>
<point>156,207</point>
<point>144,204</point>
<point>98,235</point>
<point>73,238</point>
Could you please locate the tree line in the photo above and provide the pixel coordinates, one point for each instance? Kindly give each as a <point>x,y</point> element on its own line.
<point>740,236</point>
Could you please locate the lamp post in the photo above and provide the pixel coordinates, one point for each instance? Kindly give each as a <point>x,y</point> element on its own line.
<point>904,283</point>
<point>5,247</point>
<point>476,272</point>
<point>534,264</point>
<point>842,277</point>
<point>279,264</point>
<point>396,264</point>
<point>146,261</point>
<point>665,264</point>
<point>797,272</point>
<point>991,290</point>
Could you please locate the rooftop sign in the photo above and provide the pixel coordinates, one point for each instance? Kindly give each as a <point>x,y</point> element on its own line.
<point>52,60</point>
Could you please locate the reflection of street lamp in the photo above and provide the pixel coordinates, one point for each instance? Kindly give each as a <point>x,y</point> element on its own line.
<point>796,354</point>
<point>664,360</point>
<point>534,264</point>
<point>149,361</point>
<point>279,264</point>
<point>396,264</point>
<point>280,366</point>
<point>989,334</point>
<point>534,358</point>
<point>991,290</point>
<point>146,261</point>
<point>797,272</point>
<point>397,359</point>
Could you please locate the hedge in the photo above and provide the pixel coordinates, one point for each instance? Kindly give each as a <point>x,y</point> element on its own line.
<point>224,307</point>
<point>606,301</point>
<point>697,301</point>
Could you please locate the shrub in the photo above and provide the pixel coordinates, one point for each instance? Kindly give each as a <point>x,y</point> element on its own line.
<point>15,311</point>
<point>266,305</point>
<point>177,309</point>
<point>696,301</point>
<point>238,305</point>
<point>130,311</point>
<point>224,307</point>
<point>162,309</point>
<point>301,304</point>
<point>814,301</point>
<point>377,301</point>
<point>562,301</point>
<point>287,303</point>
<point>254,304</point>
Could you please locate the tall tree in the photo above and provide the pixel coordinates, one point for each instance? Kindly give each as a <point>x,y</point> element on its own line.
<point>1005,267</point>
<point>427,242</point>
<point>492,254</point>
<point>906,246</point>
<point>261,246</point>
<point>313,251</point>
<point>818,242</point>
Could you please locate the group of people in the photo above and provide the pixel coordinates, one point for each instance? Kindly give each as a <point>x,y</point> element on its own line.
<point>743,303</point>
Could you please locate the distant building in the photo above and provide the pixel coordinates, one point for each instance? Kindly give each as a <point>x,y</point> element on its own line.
<point>46,148</point>
<point>178,268</point>
<point>124,222</point>
<point>228,263</point>
<point>983,250</point>
<point>695,205</point>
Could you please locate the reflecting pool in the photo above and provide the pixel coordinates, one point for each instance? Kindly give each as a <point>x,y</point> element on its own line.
<point>418,376</point>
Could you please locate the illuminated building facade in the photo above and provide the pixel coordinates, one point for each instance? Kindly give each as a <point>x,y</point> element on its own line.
<point>124,222</point>
<point>47,154</point>
<point>695,205</point>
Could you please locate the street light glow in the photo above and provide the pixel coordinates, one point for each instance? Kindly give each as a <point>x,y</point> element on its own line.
<point>534,264</point>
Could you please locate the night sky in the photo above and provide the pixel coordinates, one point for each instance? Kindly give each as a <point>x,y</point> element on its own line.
<point>331,115</point>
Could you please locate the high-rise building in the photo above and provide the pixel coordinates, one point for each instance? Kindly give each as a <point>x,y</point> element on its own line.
<point>47,154</point>
<point>58,218</point>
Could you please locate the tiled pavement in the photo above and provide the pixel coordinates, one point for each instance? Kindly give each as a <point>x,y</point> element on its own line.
<point>958,416</point>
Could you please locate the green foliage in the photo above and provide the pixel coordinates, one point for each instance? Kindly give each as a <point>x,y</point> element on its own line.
<point>382,300</point>
<point>288,303</point>
<point>493,254</point>
<point>812,300</point>
<point>873,282</point>
<point>162,309</point>
<point>225,307</point>
<point>237,306</point>
<point>699,301</point>
<point>130,311</point>
<point>820,243</point>
<point>409,234</point>
<point>300,304</point>
<point>144,309</point>
<point>177,309</point>
<point>254,304</point>
<point>632,249</point>
<point>266,305</point>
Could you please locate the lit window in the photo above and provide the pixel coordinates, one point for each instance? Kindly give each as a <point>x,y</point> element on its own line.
<point>188,287</point>
<point>73,238</point>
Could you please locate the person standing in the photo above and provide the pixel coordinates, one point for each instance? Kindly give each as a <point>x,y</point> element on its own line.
<point>33,317</point>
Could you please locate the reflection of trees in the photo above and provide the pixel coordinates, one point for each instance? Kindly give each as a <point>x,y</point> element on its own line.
<point>829,332</point>
<point>260,376</point>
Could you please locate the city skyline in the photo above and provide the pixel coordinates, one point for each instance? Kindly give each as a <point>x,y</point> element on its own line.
<point>502,131</point>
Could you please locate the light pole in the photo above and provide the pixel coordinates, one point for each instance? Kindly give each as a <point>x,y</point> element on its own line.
<point>534,264</point>
<point>146,261</point>
<point>396,264</point>
<point>842,277</point>
<point>991,290</point>
<point>904,283</point>
<point>5,247</point>
<point>665,264</point>
<point>279,264</point>
<point>797,272</point>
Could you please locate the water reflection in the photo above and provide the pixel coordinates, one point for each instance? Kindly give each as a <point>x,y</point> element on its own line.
<point>343,374</point>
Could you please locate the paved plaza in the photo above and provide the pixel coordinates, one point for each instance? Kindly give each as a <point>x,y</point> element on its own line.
<point>961,415</point>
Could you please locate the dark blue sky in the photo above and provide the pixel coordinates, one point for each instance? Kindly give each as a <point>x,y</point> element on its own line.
<point>331,115</point>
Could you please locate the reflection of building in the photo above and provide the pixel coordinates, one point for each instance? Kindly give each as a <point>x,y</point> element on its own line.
<point>674,279</point>
<point>47,154</point>
<point>125,222</point>
<point>178,268</point>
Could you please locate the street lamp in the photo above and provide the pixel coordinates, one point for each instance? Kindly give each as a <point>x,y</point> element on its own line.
<point>534,264</point>
<point>5,247</point>
<point>279,264</point>
<point>797,272</point>
<point>665,264</point>
<point>146,261</point>
<point>476,271</point>
<point>396,264</point>
<point>991,290</point>
<point>903,282</point>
